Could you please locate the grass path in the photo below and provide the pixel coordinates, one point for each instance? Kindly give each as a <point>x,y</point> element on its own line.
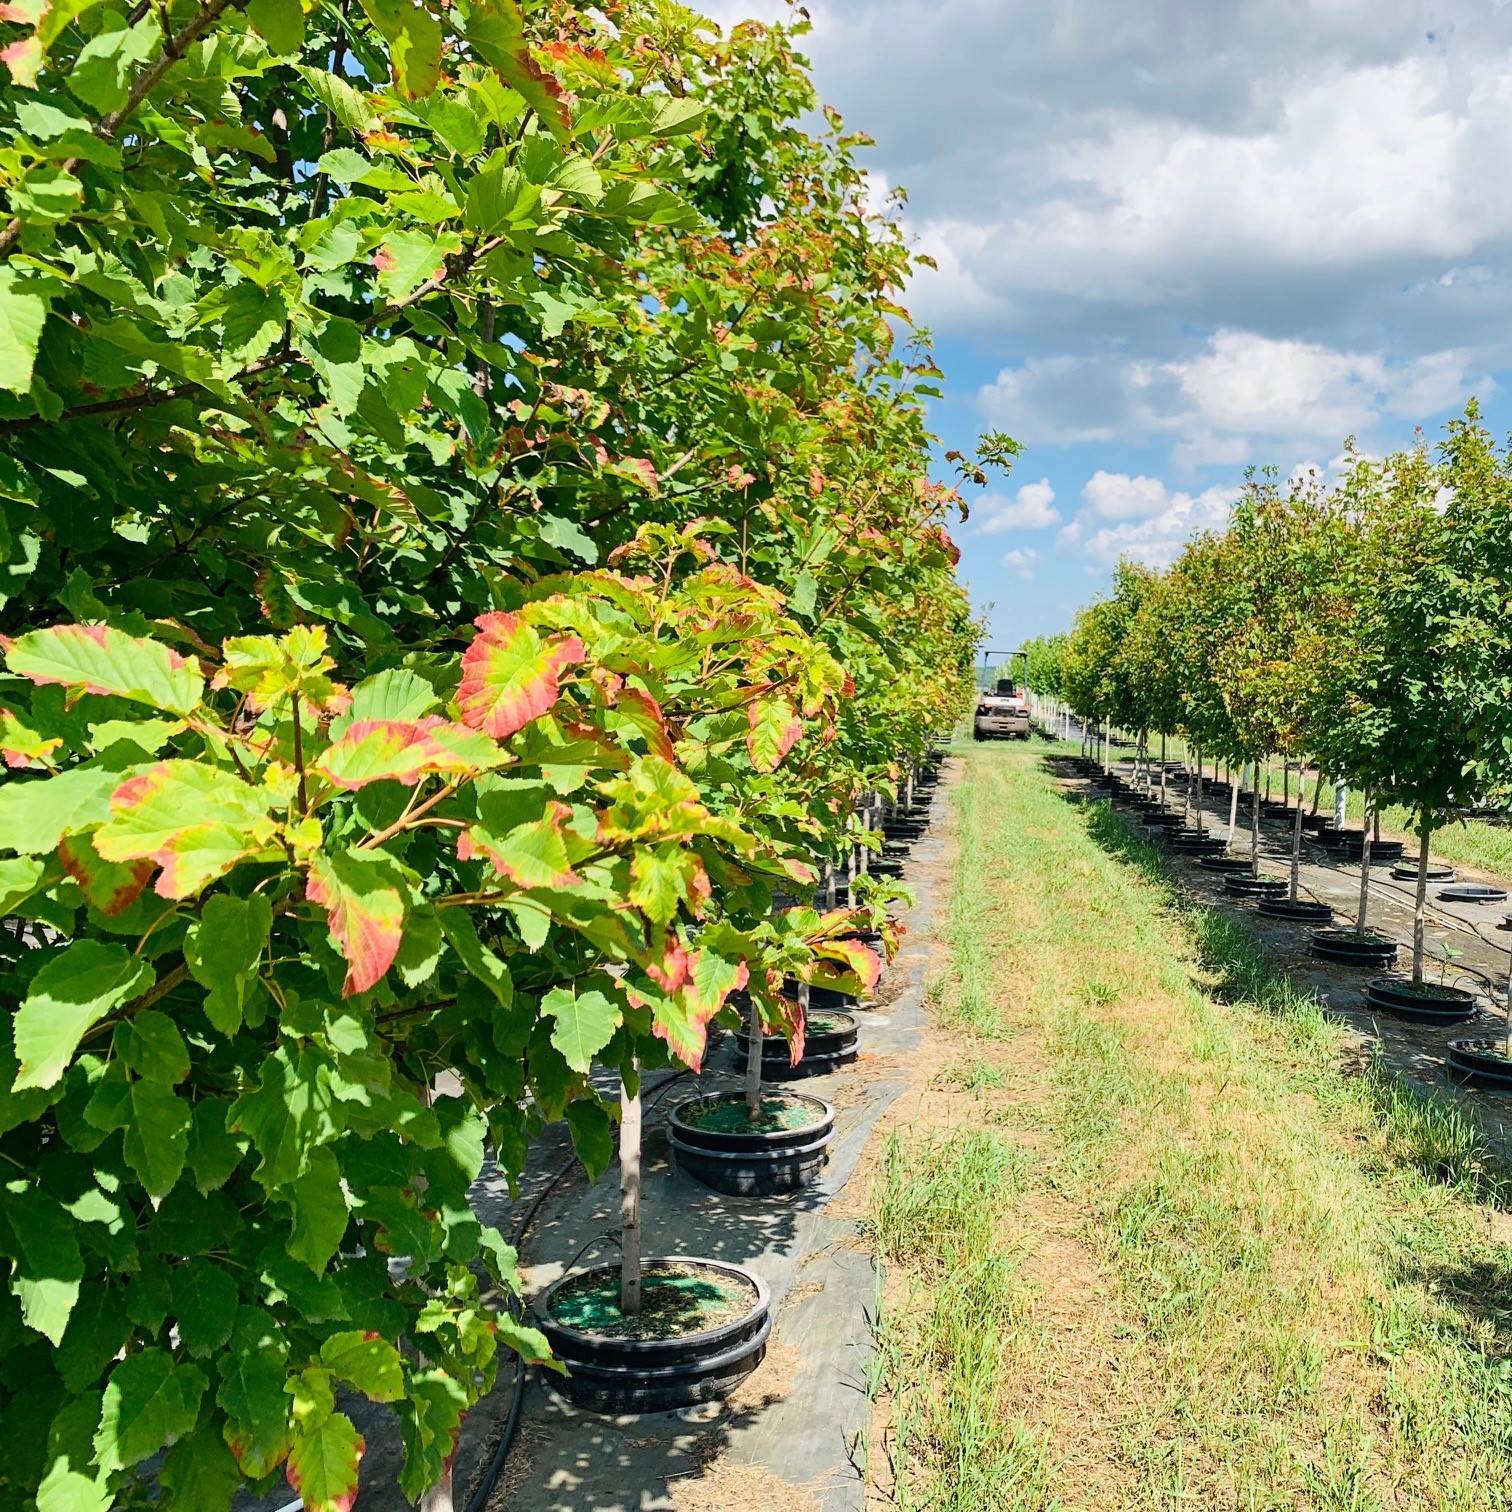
<point>1146,1245</point>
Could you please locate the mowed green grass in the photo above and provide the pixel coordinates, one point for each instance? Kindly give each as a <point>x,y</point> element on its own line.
<point>1146,1245</point>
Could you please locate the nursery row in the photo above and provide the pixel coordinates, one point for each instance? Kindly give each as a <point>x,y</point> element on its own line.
<point>1475,1060</point>
<point>469,572</point>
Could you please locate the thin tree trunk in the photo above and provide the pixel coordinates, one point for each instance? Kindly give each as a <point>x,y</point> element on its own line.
<point>1507,1046</point>
<point>1286,784</point>
<point>1255,827</point>
<point>630,1193</point>
<point>1364,870</point>
<point>1107,751</point>
<point>1199,795</point>
<point>1317,792</point>
<point>1163,774</point>
<point>1233,809</point>
<point>757,1042</point>
<point>1420,904</point>
<point>439,1497</point>
<point>1296,867</point>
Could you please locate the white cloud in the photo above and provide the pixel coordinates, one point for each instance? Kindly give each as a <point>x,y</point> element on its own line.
<point>1033,508</point>
<point>1147,521</point>
<point>1117,496</point>
<point>1229,399</point>
<point>1021,561</point>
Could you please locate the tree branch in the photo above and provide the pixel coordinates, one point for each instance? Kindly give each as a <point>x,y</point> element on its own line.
<point>174,49</point>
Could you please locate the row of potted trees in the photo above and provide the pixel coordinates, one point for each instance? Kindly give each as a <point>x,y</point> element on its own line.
<point>710,1320</point>
<point>468,543</point>
<point>1351,628</point>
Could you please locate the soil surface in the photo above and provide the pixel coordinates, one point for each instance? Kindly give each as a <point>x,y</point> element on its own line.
<point>677,1301</point>
<point>729,1115</point>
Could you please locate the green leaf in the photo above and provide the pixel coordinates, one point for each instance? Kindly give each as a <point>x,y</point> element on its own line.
<point>97,1328</point>
<point>592,1135</point>
<point>289,1114</point>
<point>102,659</point>
<point>157,1136</point>
<point>66,1490</point>
<point>224,952</point>
<point>500,195</point>
<point>481,963</point>
<point>204,1304</point>
<point>39,1235</point>
<point>367,1362</point>
<point>281,23</point>
<point>102,72</point>
<point>154,1048</point>
<point>320,1212</point>
<point>251,1392</point>
<point>23,309</point>
<point>323,1464</point>
<point>34,816</point>
<point>414,38</point>
<point>200,1474</point>
<point>213,1151</point>
<point>585,1023</point>
<point>57,16</point>
<point>19,879</point>
<point>72,991</point>
<point>150,1402</point>
<point>567,536</point>
<point>347,105</point>
<point>429,1420</point>
<point>395,694</point>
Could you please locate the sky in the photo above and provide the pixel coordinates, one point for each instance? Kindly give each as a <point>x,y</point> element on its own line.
<point>1176,238</point>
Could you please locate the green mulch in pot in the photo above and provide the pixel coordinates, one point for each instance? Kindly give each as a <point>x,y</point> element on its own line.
<point>730,1115</point>
<point>677,1300</point>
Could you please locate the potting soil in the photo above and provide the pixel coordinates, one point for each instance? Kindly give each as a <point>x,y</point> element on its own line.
<point>676,1301</point>
<point>729,1115</point>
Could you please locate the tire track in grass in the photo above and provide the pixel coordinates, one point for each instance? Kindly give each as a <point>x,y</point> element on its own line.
<point>1146,1244</point>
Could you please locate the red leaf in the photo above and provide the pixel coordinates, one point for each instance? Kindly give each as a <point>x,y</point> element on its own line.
<point>111,886</point>
<point>365,913</point>
<point>774,730</point>
<point>646,715</point>
<point>510,676</point>
<point>405,750</point>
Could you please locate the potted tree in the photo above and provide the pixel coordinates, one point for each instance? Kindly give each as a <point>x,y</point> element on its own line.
<point>1392,718</point>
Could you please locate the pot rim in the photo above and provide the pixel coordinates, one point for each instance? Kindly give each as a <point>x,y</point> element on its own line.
<point>825,1117</point>
<point>691,1341</point>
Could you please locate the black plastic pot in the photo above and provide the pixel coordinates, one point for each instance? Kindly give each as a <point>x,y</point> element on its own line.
<point>828,1000</point>
<point>1352,847</point>
<point>1434,1005</point>
<point>1206,847</point>
<point>1232,865</point>
<point>1255,887</point>
<point>1481,1063</point>
<point>1315,824</point>
<point>616,1376</point>
<point>746,1164</point>
<point>824,1051</point>
<point>1472,892</point>
<point>1164,821</point>
<point>1301,912</point>
<point>1350,949</point>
